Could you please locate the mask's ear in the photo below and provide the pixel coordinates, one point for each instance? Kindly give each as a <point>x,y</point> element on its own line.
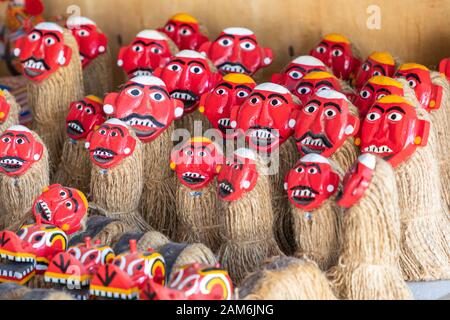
<point>333,185</point>
<point>201,38</point>
<point>109,103</point>
<point>178,108</point>
<point>103,41</point>
<point>67,56</point>
<point>277,78</point>
<point>268,57</point>
<point>201,107</point>
<point>234,112</point>
<point>38,151</point>
<point>352,127</point>
<point>444,67</point>
<point>422,132</point>
<point>436,97</point>
<point>250,182</point>
<point>87,144</point>
<point>204,48</point>
<point>131,144</point>
<point>293,118</point>
<point>120,56</point>
<point>157,72</point>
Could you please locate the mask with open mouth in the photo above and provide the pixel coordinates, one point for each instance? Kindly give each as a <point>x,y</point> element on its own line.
<point>4,108</point>
<point>265,117</point>
<point>29,251</point>
<point>376,88</point>
<point>91,41</point>
<point>392,130</point>
<point>377,64</point>
<point>110,144</point>
<point>148,51</point>
<point>324,123</point>
<point>236,50</point>
<point>145,105</point>
<point>196,162</point>
<point>43,51</point>
<point>216,105</point>
<point>188,75</point>
<point>335,51</point>
<point>311,182</point>
<point>419,79</point>
<point>125,276</point>
<point>62,207</point>
<point>314,82</point>
<point>84,116</point>
<point>185,31</point>
<point>19,150</point>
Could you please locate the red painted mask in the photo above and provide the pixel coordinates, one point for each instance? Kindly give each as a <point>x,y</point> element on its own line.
<point>444,68</point>
<point>145,105</point>
<point>377,64</point>
<point>392,130</point>
<point>311,182</point>
<point>62,207</point>
<point>197,162</point>
<point>238,176</point>
<point>184,30</point>
<point>148,51</point>
<point>376,88</point>
<point>419,79</point>
<point>4,108</point>
<point>357,180</point>
<point>187,77</point>
<point>266,117</point>
<point>236,50</point>
<point>296,70</point>
<point>216,105</point>
<point>315,82</point>
<point>324,124</point>
<point>19,150</point>
<point>43,51</point>
<point>110,144</point>
<point>335,51</point>
<point>84,116</point>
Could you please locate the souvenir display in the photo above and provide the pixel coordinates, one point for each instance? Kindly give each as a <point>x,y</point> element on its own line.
<point>9,110</point>
<point>24,173</point>
<point>94,53</point>
<point>377,64</point>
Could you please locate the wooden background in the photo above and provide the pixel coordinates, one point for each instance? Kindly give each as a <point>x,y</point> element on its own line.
<point>413,30</point>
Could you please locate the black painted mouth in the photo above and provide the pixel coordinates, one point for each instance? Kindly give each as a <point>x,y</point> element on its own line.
<point>188,97</point>
<point>34,67</point>
<point>143,125</point>
<point>263,136</point>
<point>141,72</point>
<point>75,128</point>
<point>193,178</point>
<point>103,155</point>
<point>225,188</point>
<point>314,143</point>
<point>11,164</point>
<point>233,67</point>
<point>303,195</point>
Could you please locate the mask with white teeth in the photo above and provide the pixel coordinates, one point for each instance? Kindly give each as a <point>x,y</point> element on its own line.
<point>84,116</point>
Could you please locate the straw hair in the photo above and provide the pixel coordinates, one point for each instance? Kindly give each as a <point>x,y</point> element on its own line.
<point>50,99</point>
<point>14,109</point>
<point>38,282</point>
<point>368,266</point>
<point>47,294</point>
<point>188,122</point>
<point>112,232</point>
<point>12,291</point>
<point>287,278</point>
<point>17,194</point>
<point>97,75</point>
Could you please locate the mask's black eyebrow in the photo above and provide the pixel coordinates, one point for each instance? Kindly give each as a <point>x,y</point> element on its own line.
<point>225,36</point>
<point>179,61</point>
<point>296,68</point>
<point>305,83</point>
<point>338,46</point>
<point>275,95</point>
<point>367,62</point>
<point>397,109</point>
<point>324,82</point>
<point>119,129</point>
<point>323,44</point>
<point>368,85</point>
<point>243,86</point>
<point>159,89</point>
<point>69,192</point>
<point>76,204</point>
<point>259,95</point>
<point>23,136</point>
<point>415,76</point>
<point>187,26</point>
<point>54,35</point>
<point>38,31</point>
<point>380,69</point>
<point>226,84</point>
<point>384,90</point>
<point>133,84</point>
<point>155,44</point>
<point>8,134</point>
<point>248,38</point>
<point>315,101</point>
<point>90,105</point>
<point>334,105</point>
<point>197,62</point>
<point>378,107</point>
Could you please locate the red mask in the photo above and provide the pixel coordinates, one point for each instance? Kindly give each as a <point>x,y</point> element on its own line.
<point>216,105</point>
<point>296,70</point>
<point>377,64</point>
<point>335,51</point>
<point>357,180</point>
<point>376,88</point>
<point>392,130</point>
<point>19,150</point>
<point>110,144</point>
<point>43,51</point>
<point>187,77</point>
<point>145,105</point>
<point>84,116</point>
<point>197,162</point>
<point>419,79</point>
<point>266,117</point>
<point>4,108</point>
<point>238,176</point>
<point>62,207</point>
<point>236,50</point>
<point>444,68</point>
<point>311,182</point>
<point>324,124</point>
<point>184,30</point>
<point>148,51</point>
<point>315,82</point>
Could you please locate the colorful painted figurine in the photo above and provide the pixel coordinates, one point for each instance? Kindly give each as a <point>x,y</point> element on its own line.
<point>377,64</point>
<point>315,82</point>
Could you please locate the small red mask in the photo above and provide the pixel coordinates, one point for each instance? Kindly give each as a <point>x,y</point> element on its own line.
<point>19,150</point>
<point>296,70</point>
<point>357,180</point>
<point>266,117</point>
<point>148,51</point>
<point>377,64</point>
<point>62,207</point>
<point>110,144</point>
<point>238,176</point>
<point>236,50</point>
<point>392,130</point>
<point>315,82</point>
<point>444,68</point>
<point>187,77</point>
<point>335,51</point>
<point>376,88</point>
<point>217,104</point>
<point>184,30</point>
<point>311,182</point>
<point>324,123</point>
<point>197,162</point>
<point>145,105</point>
<point>419,79</point>
<point>4,108</point>
<point>84,116</point>
<point>43,51</point>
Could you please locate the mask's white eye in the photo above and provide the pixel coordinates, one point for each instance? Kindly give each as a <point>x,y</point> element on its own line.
<point>330,113</point>
<point>254,100</point>
<point>311,108</point>
<point>69,205</point>
<point>395,116</point>
<point>321,49</point>
<point>63,194</point>
<point>79,106</point>
<point>6,139</point>
<point>157,96</point>
<point>323,88</point>
<point>242,94</point>
<point>134,92</point>
<point>381,95</point>
<point>337,52</point>
<point>202,154</point>
<point>155,50</point>
<point>174,67</point>
<point>275,102</point>
<point>228,163</point>
<point>373,116</point>
<point>34,36</point>
<point>170,28</point>
<point>196,70</point>
<point>412,83</point>
<point>295,75</point>
<point>377,73</point>
<point>299,170</point>
<point>189,152</point>
<point>49,41</point>
<point>138,48</point>
<point>83,33</point>
<point>366,67</point>
<point>313,170</point>
<point>304,90</point>
<point>365,94</point>
<point>89,110</point>
<point>102,132</point>
<point>113,134</point>
<point>221,91</point>
<point>247,45</point>
<point>185,32</point>
<point>225,42</point>
<point>20,141</point>
<point>236,167</point>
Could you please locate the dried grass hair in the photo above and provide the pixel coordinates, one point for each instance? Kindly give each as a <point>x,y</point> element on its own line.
<point>97,75</point>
